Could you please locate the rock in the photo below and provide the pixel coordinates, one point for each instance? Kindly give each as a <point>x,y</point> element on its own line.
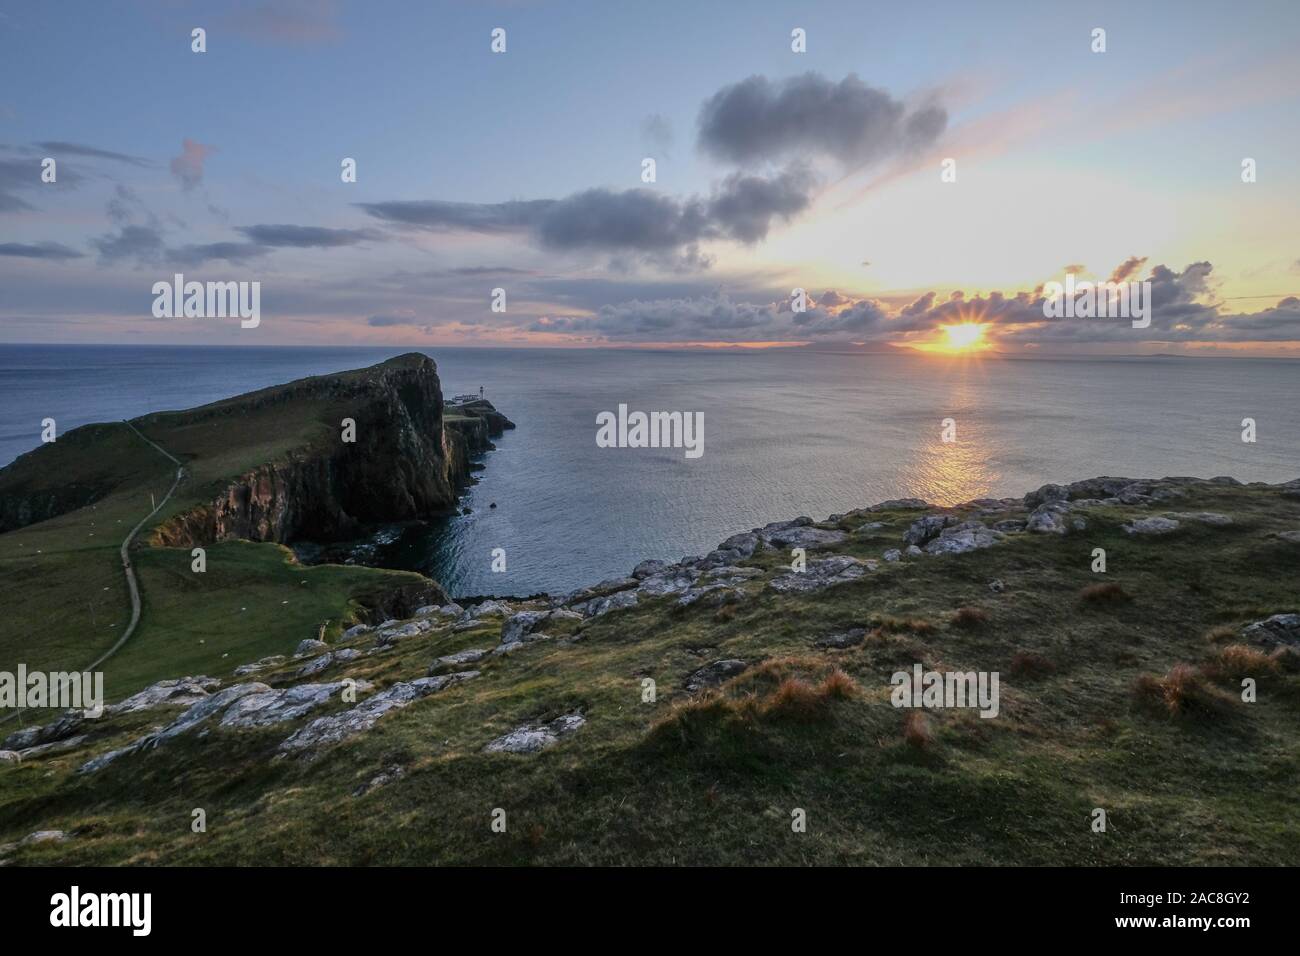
<point>316,665</point>
<point>531,738</point>
<point>346,654</point>
<point>1292,536</point>
<point>458,659</point>
<point>266,662</point>
<point>1046,494</point>
<point>54,747</point>
<point>1079,524</point>
<point>61,728</point>
<point>1155,525</point>
<point>338,727</point>
<point>490,608</point>
<point>519,625</point>
<point>742,545</point>
<point>674,580</point>
<point>900,504</point>
<point>961,538</point>
<point>648,568</point>
<point>170,693</point>
<point>805,537</point>
<point>195,715</point>
<point>617,601</point>
<point>893,554</point>
<point>996,586</point>
<point>1048,518</point>
<point>278,706</point>
<point>711,595</point>
<point>386,776</point>
<point>1010,526</point>
<point>1204,517</point>
<point>1103,487</point>
<point>426,610</point>
<point>711,675</point>
<point>356,631</point>
<point>10,756</point>
<point>44,836</point>
<point>869,527</point>
<point>309,646</point>
<point>923,529</point>
<point>839,569</point>
<point>391,635</point>
<point>912,551</point>
<point>1280,630</point>
<point>849,638</point>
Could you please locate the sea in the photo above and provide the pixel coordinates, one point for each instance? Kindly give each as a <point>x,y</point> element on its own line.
<point>785,433</point>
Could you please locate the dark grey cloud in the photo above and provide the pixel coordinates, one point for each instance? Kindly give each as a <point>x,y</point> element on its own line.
<point>809,116</point>
<point>39,250</point>
<point>60,148</point>
<point>641,223</point>
<point>434,214</point>
<point>198,254</point>
<point>657,134</point>
<point>142,243</point>
<point>24,175</point>
<point>304,237</point>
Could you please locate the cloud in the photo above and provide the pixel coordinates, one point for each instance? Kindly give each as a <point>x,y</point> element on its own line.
<point>91,152</point>
<point>1126,268</point>
<point>188,166</point>
<point>644,223</point>
<point>39,250</point>
<point>303,237</point>
<point>235,252</point>
<point>141,243</point>
<point>810,116</point>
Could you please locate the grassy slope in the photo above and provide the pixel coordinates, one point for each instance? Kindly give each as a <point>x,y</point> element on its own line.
<point>61,581</point>
<point>715,782</point>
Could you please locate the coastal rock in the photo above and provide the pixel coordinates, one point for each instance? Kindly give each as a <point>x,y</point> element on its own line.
<point>600,606</point>
<point>869,527</point>
<point>1048,518</point>
<point>520,625</point>
<point>356,630</point>
<point>711,675</point>
<point>338,727</point>
<point>1046,494</point>
<point>1154,525</point>
<point>459,659</point>
<point>10,756</point>
<point>264,664</point>
<point>649,568</point>
<point>805,537</point>
<point>61,728</point>
<point>675,580</point>
<point>1280,630</point>
<point>912,551</point>
<point>391,635</point>
<point>384,777</point>
<point>309,646</point>
<point>711,595</point>
<point>169,693</point>
<point>962,538</point>
<point>901,504</point>
<point>278,706</point>
<point>923,529</point>
<point>824,573</point>
<point>531,738</point>
<point>1010,526</point>
<point>850,638</point>
<point>893,554</point>
<point>316,665</point>
<point>487,609</point>
<point>742,545</point>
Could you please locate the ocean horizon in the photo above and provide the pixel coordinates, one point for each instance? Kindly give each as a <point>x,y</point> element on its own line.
<point>785,433</point>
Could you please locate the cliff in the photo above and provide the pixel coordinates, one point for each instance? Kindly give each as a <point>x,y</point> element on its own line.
<point>408,460</point>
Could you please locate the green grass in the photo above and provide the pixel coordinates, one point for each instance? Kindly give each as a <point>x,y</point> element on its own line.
<point>715,782</point>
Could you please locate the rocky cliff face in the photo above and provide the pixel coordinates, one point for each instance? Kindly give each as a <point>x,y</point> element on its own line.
<point>406,463</point>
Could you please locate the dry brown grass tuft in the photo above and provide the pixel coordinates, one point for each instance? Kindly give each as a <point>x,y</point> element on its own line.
<point>903,625</point>
<point>1112,592</point>
<point>1184,691</point>
<point>970,618</point>
<point>1031,664</point>
<point>1221,634</point>
<point>916,730</point>
<point>838,685</point>
<point>797,700</point>
<point>1238,660</point>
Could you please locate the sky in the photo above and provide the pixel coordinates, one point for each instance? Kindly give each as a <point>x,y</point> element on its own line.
<point>915,169</point>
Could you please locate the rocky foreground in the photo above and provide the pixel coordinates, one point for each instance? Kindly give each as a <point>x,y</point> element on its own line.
<point>862,592</point>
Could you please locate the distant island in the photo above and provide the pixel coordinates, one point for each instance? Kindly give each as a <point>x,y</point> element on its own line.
<point>740,706</point>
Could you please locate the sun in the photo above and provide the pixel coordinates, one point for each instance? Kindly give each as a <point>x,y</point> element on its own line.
<point>965,337</point>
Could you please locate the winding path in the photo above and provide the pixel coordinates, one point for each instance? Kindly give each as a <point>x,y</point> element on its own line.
<point>131,583</point>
